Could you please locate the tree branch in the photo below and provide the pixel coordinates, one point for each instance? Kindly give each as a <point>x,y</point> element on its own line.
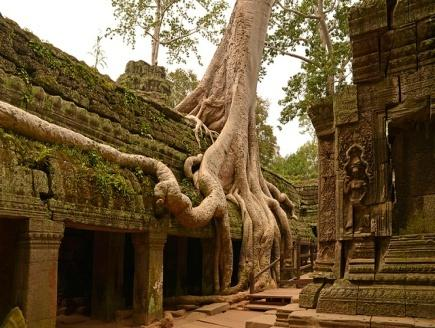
<point>333,6</point>
<point>192,31</point>
<point>168,6</point>
<point>291,54</point>
<point>305,59</point>
<point>294,11</point>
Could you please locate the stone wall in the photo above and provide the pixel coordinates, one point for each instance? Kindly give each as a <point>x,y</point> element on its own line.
<point>376,146</point>
<point>53,85</point>
<point>46,188</point>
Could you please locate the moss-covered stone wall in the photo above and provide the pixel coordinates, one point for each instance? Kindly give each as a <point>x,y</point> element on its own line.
<point>67,184</point>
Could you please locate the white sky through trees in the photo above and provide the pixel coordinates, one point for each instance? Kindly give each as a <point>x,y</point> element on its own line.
<point>73,26</point>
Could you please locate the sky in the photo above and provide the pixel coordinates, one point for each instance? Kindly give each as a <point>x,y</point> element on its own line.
<point>73,26</point>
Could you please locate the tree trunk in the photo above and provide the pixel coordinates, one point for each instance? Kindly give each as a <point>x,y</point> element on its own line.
<point>325,38</point>
<point>155,41</point>
<point>229,169</point>
<point>225,102</point>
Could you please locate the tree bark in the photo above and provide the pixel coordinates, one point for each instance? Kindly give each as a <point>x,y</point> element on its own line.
<point>225,102</point>
<point>229,168</point>
<point>155,41</point>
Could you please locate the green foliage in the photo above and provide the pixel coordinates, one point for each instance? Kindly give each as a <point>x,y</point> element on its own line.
<point>173,24</point>
<point>302,165</point>
<point>60,62</point>
<point>190,191</point>
<point>295,31</point>
<point>98,53</point>
<point>182,83</point>
<point>107,175</point>
<point>266,139</point>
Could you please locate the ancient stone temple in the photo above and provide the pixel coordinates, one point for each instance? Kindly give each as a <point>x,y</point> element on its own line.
<point>79,234</point>
<point>376,222</point>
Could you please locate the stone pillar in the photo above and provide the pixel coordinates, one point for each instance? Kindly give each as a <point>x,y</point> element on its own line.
<point>148,277</point>
<point>36,280</point>
<point>108,274</point>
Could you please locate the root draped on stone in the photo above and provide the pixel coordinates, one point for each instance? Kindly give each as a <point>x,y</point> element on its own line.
<point>206,299</point>
<point>224,101</point>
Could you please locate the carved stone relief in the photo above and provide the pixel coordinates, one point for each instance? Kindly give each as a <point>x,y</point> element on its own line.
<point>355,186</point>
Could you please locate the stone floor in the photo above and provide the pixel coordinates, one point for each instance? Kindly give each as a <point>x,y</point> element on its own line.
<point>229,319</point>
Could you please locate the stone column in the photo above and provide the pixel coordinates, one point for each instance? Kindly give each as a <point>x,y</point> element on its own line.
<point>148,277</point>
<point>36,280</point>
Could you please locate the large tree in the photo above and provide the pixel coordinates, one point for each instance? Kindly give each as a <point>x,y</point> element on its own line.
<point>225,101</point>
<point>172,24</point>
<point>314,33</point>
<point>184,82</point>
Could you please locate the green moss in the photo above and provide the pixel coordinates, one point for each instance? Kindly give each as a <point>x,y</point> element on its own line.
<point>108,176</point>
<point>190,191</point>
<point>157,117</point>
<point>418,223</point>
<point>145,129</point>
<point>129,98</point>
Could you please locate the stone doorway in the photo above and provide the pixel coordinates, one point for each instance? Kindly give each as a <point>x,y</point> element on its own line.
<point>413,160</point>
<point>9,237</point>
<point>183,266</point>
<point>95,273</point>
<point>75,272</point>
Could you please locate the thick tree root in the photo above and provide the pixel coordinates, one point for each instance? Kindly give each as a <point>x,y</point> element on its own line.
<point>207,299</point>
<point>201,129</point>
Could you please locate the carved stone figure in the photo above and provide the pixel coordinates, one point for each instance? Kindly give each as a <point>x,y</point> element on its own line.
<point>355,182</point>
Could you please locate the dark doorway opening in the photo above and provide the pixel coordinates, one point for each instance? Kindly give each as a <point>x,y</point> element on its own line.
<point>75,272</point>
<point>128,272</point>
<point>9,235</point>
<point>237,246</point>
<point>182,267</point>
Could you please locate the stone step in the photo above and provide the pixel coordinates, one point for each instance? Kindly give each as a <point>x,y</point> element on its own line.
<point>214,308</point>
<point>261,307</point>
<point>262,321</point>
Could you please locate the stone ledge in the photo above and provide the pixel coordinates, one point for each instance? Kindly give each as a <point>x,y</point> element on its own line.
<point>215,308</point>
<point>310,318</point>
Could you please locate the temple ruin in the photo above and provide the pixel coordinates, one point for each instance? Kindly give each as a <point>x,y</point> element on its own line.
<point>79,234</point>
<point>376,225</point>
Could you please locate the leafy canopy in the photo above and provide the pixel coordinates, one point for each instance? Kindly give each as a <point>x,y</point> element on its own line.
<point>182,83</point>
<point>266,139</point>
<point>315,32</point>
<point>299,166</point>
<point>173,24</point>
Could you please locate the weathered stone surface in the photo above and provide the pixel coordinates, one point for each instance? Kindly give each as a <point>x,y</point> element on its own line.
<point>346,106</point>
<point>262,321</point>
<point>424,323</point>
<point>389,322</point>
<point>215,308</point>
<point>339,298</point>
<point>377,176</point>
<point>342,321</point>
<point>309,295</point>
